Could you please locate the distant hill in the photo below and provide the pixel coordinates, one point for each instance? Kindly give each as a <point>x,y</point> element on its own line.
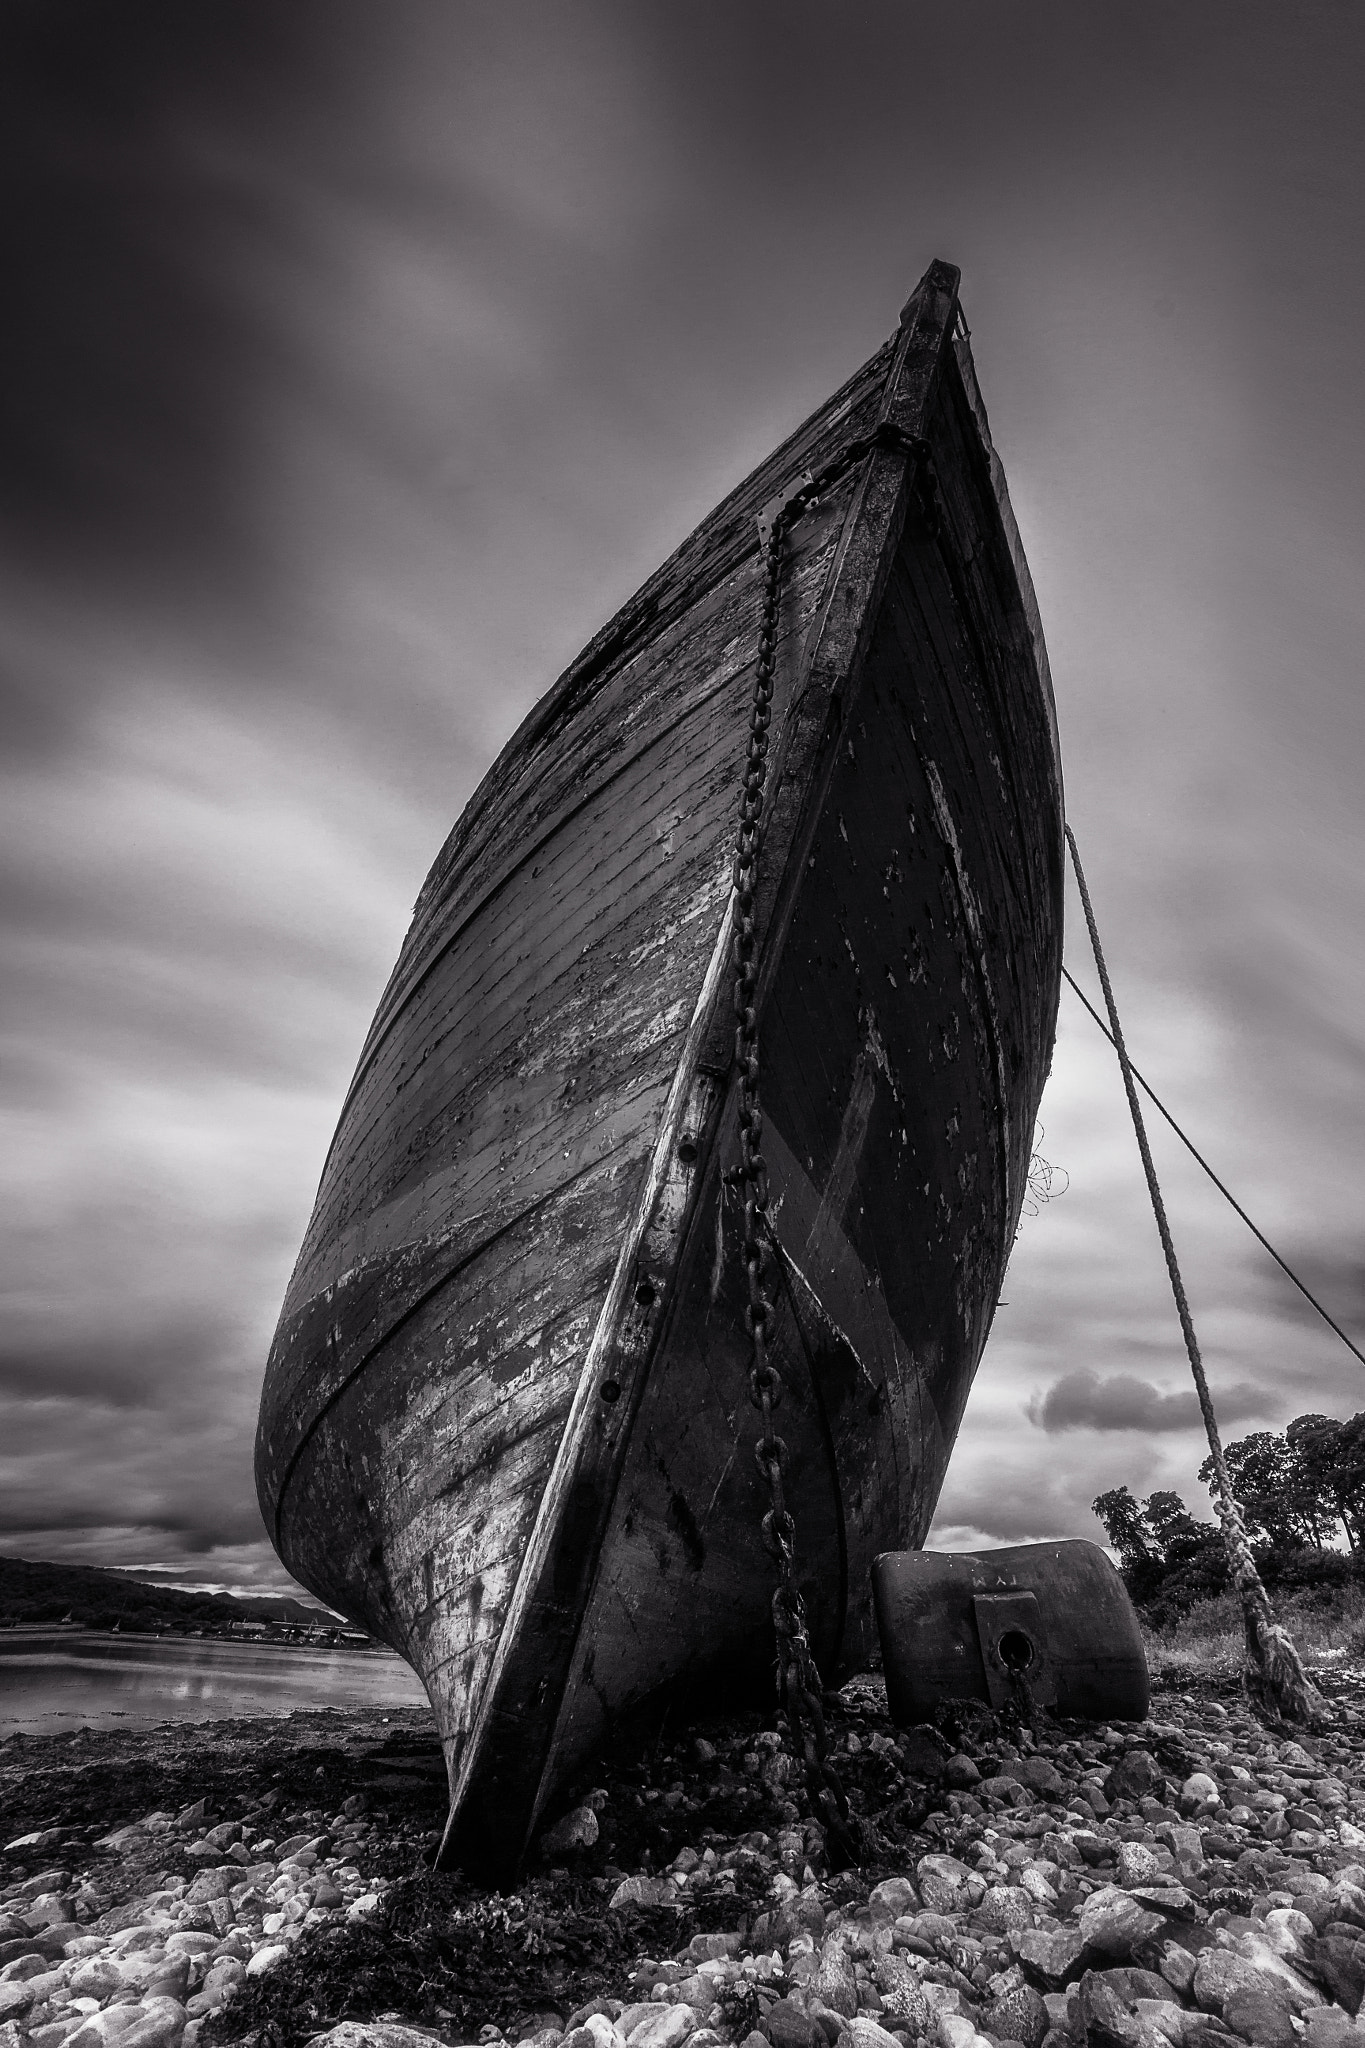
<point>32,1592</point>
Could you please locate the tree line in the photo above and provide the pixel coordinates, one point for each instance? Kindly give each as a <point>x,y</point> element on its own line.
<point>1301,1493</point>
<point>34,1593</point>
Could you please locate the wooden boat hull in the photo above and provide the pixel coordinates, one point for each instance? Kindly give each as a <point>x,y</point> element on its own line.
<point>505,1422</point>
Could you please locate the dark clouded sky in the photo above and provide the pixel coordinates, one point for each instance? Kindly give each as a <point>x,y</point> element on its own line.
<point>359,361</point>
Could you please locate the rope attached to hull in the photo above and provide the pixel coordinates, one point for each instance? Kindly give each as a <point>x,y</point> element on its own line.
<point>1221,1186</point>
<point>1273,1675</point>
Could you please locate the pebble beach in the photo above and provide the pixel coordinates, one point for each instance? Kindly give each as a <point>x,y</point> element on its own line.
<point>1190,1881</point>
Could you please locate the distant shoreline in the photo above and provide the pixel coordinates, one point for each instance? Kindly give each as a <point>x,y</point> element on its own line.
<point>65,1681</point>
<point>36,1594</point>
<point>245,1635</point>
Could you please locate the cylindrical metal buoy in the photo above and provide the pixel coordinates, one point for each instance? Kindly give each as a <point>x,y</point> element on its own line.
<point>1050,1623</point>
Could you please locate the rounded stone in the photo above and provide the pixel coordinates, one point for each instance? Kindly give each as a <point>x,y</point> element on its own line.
<point>1133,1777</point>
<point>834,1983</point>
<point>15,2000</point>
<point>892,1897</point>
<point>1052,1956</point>
<point>901,1995</point>
<point>1011,1791</point>
<point>1137,1864</point>
<point>1018,2016</point>
<point>267,1957</point>
<point>1041,1777</point>
<point>869,2033</point>
<point>575,1830</point>
<point>786,2026</point>
<point>1003,1907</point>
<point>1199,1793</point>
<point>1219,1973</point>
<point>94,1978</point>
<point>1259,2018</point>
<point>1112,1923</point>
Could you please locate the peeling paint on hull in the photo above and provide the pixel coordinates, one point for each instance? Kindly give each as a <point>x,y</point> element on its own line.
<point>505,1422</point>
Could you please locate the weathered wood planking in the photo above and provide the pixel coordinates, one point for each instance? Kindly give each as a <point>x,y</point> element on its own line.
<point>491,1089</point>
<point>505,1422</point>
<point>507,1028</point>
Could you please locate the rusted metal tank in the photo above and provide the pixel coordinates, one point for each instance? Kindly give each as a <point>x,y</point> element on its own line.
<point>1054,1618</point>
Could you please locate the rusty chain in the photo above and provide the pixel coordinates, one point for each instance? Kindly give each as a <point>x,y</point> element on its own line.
<point>798,1679</point>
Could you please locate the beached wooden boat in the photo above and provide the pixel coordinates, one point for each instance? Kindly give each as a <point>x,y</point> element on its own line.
<point>505,1423</point>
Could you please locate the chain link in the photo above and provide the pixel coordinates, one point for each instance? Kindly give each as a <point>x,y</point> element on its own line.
<point>798,1680</point>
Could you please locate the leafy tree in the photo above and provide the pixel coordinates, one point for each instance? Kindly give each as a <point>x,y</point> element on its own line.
<point>1280,1498</point>
<point>1331,1457</point>
<point>1126,1526</point>
<point>1178,1536</point>
<point>1168,1559</point>
<point>1295,1490</point>
<point>1159,1530</point>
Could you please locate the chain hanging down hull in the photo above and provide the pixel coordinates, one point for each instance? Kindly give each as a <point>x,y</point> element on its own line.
<point>506,1423</point>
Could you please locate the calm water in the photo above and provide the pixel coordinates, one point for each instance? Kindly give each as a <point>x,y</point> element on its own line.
<point>56,1678</point>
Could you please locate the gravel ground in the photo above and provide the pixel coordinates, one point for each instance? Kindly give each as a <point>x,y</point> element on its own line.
<point>1189,1882</point>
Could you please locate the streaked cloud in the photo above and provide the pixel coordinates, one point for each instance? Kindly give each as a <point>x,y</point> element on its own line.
<point>358,364</point>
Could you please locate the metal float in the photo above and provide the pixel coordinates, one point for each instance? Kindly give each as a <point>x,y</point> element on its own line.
<point>1040,1624</point>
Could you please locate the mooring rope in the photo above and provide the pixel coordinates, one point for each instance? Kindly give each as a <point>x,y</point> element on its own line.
<point>1273,1673</point>
<point>1223,1189</point>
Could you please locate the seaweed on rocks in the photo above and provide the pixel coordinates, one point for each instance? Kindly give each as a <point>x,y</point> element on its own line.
<point>447,1955</point>
<point>119,1774</point>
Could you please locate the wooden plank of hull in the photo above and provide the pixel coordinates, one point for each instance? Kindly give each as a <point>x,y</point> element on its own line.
<point>580,969</point>
<point>505,1421</point>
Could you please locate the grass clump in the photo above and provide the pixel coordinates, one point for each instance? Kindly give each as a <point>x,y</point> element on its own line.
<point>1327,1623</point>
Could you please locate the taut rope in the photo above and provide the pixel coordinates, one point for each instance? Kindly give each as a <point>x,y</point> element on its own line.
<point>1272,1673</point>
<point>1224,1190</point>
